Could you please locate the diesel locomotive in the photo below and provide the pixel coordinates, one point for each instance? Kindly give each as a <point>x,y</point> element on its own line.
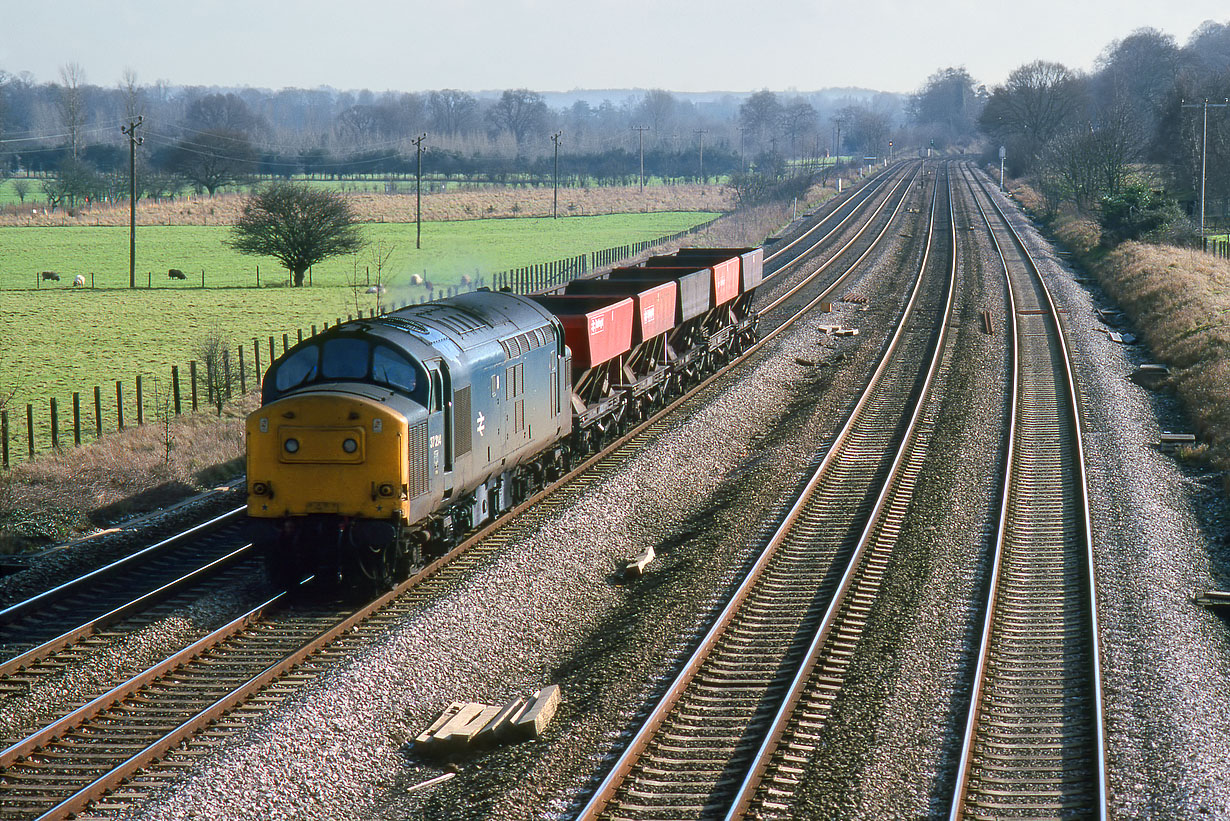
<point>381,441</point>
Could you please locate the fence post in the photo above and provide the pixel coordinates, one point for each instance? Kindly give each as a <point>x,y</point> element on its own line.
<point>55,426</point>
<point>119,404</point>
<point>285,343</point>
<point>77,419</point>
<point>192,379</point>
<point>243,377</point>
<point>209,380</point>
<point>175,389</point>
<point>4,437</point>
<point>98,410</point>
<point>300,330</point>
<point>140,403</point>
<point>30,428</point>
<point>226,374</point>
<point>273,352</point>
<point>314,330</point>
<point>256,354</point>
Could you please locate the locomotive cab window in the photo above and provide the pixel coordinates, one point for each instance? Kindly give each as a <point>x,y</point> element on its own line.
<point>297,368</point>
<point>393,370</point>
<point>344,358</point>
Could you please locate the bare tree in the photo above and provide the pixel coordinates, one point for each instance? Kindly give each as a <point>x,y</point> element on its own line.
<point>21,187</point>
<point>520,112</point>
<point>221,380</point>
<point>133,103</point>
<point>72,103</point>
<point>657,108</point>
<point>1038,101</point>
<point>452,112</point>
<point>760,117</point>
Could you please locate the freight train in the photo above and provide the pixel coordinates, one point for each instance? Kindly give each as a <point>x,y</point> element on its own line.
<point>380,442</point>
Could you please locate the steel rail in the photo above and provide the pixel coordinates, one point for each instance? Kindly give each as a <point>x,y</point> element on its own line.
<point>1048,790</point>
<point>871,537</point>
<point>76,585</point>
<point>633,752</point>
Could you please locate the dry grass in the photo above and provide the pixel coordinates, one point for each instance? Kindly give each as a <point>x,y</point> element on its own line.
<point>508,201</point>
<point>1179,299</point>
<point>48,498</point>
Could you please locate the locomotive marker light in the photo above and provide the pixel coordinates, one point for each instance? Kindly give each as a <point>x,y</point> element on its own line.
<point>291,445</point>
<point>350,446</point>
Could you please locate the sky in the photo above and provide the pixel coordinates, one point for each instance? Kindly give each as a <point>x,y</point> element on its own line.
<point>554,45</point>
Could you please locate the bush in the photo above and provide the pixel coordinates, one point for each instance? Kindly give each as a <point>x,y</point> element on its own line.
<point>1136,212</point>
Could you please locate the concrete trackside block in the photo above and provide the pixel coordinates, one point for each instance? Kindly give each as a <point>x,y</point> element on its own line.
<point>461,728</point>
<point>636,566</point>
<point>443,718</point>
<point>498,726</point>
<point>538,714</point>
<point>1151,375</point>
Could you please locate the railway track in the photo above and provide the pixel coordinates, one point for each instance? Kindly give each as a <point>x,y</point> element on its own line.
<point>64,766</point>
<point>810,589</point>
<point>1034,740</point>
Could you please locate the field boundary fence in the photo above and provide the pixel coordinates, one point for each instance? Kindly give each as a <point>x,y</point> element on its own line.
<point>1216,246</point>
<point>217,379</point>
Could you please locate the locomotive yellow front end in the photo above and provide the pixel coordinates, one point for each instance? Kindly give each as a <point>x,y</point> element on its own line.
<point>327,474</point>
<point>324,453</point>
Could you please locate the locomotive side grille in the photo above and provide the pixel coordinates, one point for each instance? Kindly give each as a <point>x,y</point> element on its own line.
<point>461,421</point>
<point>519,413</point>
<point>418,460</point>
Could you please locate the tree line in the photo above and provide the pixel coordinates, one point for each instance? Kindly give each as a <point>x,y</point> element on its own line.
<point>201,138</point>
<point>1124,141</point>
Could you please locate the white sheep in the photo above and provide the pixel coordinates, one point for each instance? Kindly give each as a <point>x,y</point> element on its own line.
<point>79,281</point>
<point>376,289</point>
<point>416,279</point>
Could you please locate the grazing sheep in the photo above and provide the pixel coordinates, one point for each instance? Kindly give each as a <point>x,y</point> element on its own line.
<point>51,275</point>
<point>415,279</point>
<point>465,279</point>
<point>376,289</point>
<point>175,273</point>
<point>79,281</point>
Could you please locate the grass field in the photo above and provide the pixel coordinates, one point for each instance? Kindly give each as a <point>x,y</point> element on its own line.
<point>62,339</point>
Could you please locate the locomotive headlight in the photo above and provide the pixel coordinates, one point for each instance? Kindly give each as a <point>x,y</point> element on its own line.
<point>386,489</point>
<point>291,445</point>
<point>350,446</point>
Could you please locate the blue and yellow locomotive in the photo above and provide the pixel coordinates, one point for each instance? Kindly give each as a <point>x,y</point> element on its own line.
<point>382,438</point>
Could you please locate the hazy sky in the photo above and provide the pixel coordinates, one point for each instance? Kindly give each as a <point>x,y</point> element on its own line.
<point>555,45</point>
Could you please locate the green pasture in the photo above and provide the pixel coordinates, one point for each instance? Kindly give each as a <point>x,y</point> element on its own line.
<point>61,339</point>
<point>8,194</point>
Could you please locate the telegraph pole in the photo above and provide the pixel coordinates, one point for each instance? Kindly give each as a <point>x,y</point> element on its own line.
<point>701,132</point>
<point>640,138</point>
<point>133,141</point>
<point>418,194</point>
<point>555,201</point>
<point>1204,147</point>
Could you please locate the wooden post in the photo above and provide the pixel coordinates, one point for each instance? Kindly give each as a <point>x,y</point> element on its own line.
<point>140,403</point>
<point>77,419</point>
<point>273,353</point>
<point>286,343</point>
<point>209,381</point>
<point>300,331</point>
<point>30,428</point>
<point>97,410</point>
<point>55,426</point>
<point>119,404</point>
<point>256,354</point>
<point>175,389</point>
<point>226,375</point>
<point>4,437</point>
<point>258,276</point>
<point>192,379</point>
<point>314,330</point>
<point>202,277</point>
<point>243,377</point>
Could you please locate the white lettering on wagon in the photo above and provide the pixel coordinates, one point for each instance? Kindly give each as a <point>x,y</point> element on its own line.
<point>596,324</point>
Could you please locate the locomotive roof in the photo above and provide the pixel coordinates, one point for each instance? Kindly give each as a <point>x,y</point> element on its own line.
<point>468,320</point>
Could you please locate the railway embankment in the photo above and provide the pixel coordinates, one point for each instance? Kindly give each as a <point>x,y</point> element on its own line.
<point>1177,301</point>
